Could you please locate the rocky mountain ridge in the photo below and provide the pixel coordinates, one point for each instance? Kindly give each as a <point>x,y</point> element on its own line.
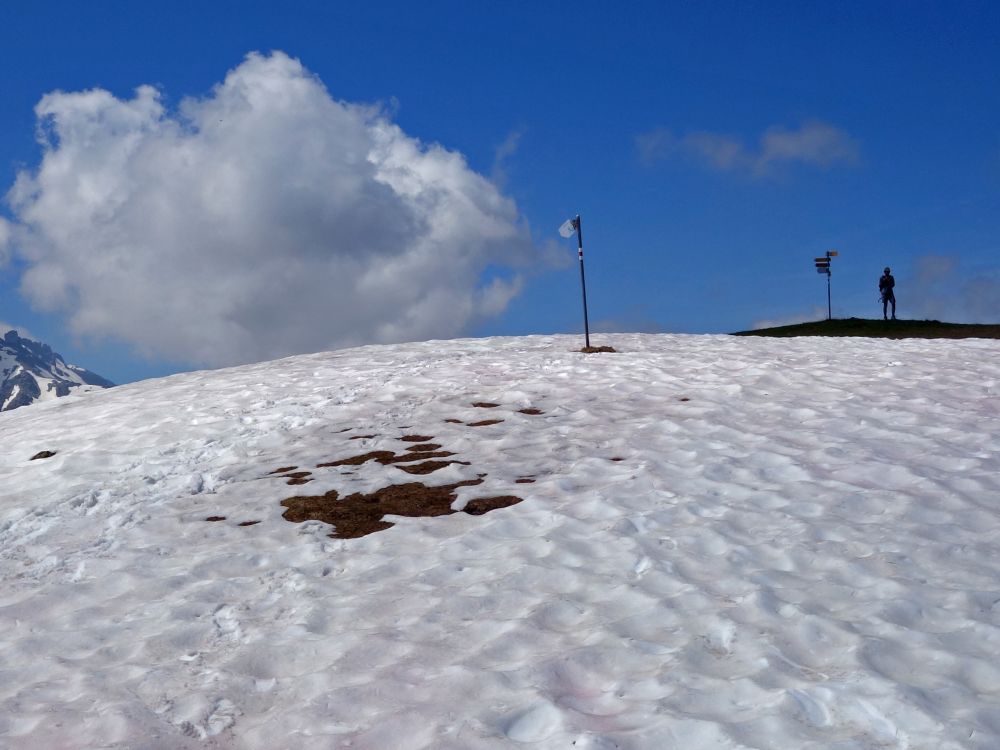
<point>30,371</point>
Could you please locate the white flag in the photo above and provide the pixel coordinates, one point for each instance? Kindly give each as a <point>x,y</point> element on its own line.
<point>567,229</point>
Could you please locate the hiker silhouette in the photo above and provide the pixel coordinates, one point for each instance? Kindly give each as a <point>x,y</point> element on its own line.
<point>885,286</point>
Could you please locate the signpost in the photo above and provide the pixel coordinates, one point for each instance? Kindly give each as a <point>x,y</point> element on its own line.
<point>823,266</point>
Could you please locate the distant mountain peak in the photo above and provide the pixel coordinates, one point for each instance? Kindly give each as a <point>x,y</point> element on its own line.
<point>30,371</point>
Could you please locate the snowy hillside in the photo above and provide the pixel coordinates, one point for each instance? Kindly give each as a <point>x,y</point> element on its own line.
<point>30,371</point>
<point>696,542</point>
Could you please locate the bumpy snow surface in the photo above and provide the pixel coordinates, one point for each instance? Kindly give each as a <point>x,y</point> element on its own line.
<point>728,543</point>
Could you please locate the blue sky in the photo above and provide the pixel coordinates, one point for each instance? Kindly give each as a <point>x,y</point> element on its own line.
<point>712,149</point>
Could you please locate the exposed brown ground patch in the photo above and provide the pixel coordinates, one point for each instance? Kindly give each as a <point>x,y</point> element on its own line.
<point>525,480</point>
<point>386,458</point>
<point>361,437</point>
<point>293,477</point>
<point>683,398</point>
<point>43,454</point>
<point>248,523</point>
<point>216,518</point>
<point>597,349</point>
<point>361,514</point>
<point>617,458</point>
<point>485,405</point>
<point>428,467</point>
<point>362,458</point>
<point>482,505</point>
<point>454,421</point>
<point>358,515</point>
<point>532,411</point>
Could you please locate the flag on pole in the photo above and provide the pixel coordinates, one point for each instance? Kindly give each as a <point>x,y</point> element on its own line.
<point>567,229</point>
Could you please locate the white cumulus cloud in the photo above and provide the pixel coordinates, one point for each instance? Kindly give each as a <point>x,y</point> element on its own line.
<point>264,219</point>
<point>4,241</point>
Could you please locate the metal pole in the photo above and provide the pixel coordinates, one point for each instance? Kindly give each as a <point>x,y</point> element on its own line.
<point>583,279</point>
<point>829,306</point>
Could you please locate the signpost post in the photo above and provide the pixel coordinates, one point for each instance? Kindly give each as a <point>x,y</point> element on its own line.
<point>823,266</point>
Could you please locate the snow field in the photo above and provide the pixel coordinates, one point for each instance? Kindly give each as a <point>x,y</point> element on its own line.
<point>728,543</point>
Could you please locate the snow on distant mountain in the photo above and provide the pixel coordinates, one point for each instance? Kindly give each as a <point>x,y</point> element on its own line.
<point>30,371</point>
<point>695,542</point>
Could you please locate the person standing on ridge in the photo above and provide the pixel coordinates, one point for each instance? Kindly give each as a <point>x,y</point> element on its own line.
<point>885,287</point>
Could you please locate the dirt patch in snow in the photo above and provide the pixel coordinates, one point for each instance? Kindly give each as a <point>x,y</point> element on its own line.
<point>388,457</point>
<point>358,515</point>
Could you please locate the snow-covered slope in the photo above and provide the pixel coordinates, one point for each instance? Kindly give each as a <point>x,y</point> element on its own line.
<point>30,371</point>
<point>721,543</point>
